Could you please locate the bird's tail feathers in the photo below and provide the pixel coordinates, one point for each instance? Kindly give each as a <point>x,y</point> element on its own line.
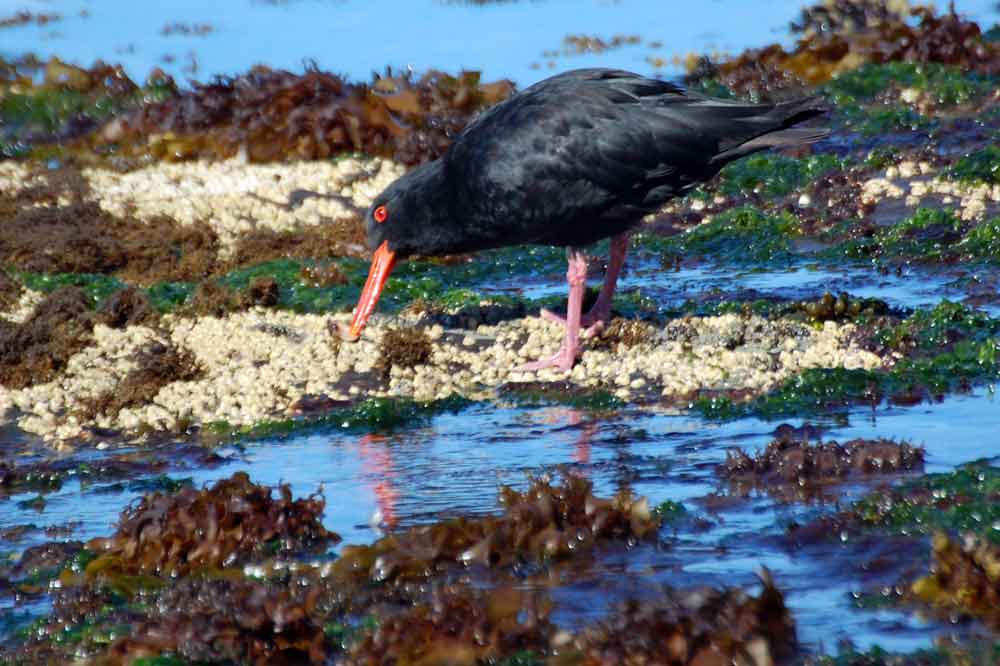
<point>781,139</point>
<point>781,117</point>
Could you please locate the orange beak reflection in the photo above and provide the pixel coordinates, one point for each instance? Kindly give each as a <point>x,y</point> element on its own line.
<point>383,262</point>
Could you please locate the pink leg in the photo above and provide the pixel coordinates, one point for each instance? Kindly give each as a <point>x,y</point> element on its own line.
<point>600,313</point>
<point>564,359</point>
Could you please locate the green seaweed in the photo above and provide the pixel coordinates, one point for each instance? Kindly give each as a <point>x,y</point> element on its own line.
<point>947,348</point>
<point>742,236</point>
<point>713,88</point>
<point>534,395</point>
<point>669,511</point>
<point>966,500</point>
<point>161,483</point>
<point>371,415</point>
<point>47,109</point>
<point>522,658</point>
<point>342,633</point>
<point>949,84</point>
<point>980,166</point>
<point>160,660</point>
<point>876,121</point>
<point>99,287</point>
<point>775,175</point>
<point>974,654</point>
<point>930,234</point>
<point>982,242</point>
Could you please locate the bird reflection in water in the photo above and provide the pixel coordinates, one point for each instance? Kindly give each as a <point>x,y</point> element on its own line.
<point>574,419</point>
<point>380,476</point>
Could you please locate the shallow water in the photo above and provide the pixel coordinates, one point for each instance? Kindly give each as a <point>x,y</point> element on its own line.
<point>456,463</point>
<point>355,37</point>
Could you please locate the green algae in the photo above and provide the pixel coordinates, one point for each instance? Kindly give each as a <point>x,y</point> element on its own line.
<point>947,348</point>
<point>966,500</point>
<point>877,121</point>
<point>980,166</point>
<point>775,175</point>
<point>928,235</point>
<point>741,236</point>
<point>160,660</point>
<point>928,331</point>
<point>97,286</point>
<point>949,84</point>
<point>540,395</point>
<point>982,242</point>
<point>49,110</point>
<point>669,511</point>
<point>160,483</point>
<point>974,654</point>
<point>371,415</point>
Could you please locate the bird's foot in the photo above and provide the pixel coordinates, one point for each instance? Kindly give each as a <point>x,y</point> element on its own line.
<point>562,359</point>
<point>593,322</point>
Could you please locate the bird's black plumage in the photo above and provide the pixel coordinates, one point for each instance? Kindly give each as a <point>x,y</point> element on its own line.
<point>573,159</point>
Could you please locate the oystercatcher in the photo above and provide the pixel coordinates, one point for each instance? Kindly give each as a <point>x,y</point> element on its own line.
<point>571,160</point>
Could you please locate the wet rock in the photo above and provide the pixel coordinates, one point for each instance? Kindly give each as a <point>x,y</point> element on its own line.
<point>218,526</point>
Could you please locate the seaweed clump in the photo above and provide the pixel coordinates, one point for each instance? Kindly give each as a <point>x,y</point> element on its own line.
<point>460,625</point>
<point>965,578</point>
<point>228,621</point>
<point>219,526</point>
<point>157,365</point>
<point>838,39</point>
<point>798,462</point>
<point>38,349</point>
<point>543,523</point>
<point>272,115</point>
<point>624,332</point>
<point>698,627</point>
<point>128,307</point>
<point>10,291</point>
<point>403,348</point>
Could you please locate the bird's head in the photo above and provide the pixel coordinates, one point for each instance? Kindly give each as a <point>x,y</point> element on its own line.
<point>407,218</point>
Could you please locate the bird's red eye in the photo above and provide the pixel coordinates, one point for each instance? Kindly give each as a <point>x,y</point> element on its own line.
<point>380,214</point>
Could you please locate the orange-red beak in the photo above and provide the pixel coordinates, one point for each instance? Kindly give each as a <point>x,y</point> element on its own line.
<point>382,263</point>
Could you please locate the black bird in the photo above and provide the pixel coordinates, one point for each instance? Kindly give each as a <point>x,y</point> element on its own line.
<point>571,160</point>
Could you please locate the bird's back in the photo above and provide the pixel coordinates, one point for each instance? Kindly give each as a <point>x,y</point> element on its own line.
<point>584,155</point>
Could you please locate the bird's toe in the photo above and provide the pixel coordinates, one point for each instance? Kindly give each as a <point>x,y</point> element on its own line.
<point>564,359</point>
<point>549,315</point>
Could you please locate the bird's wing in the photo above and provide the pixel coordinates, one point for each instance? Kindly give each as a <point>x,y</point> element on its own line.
<point>588,144</point>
